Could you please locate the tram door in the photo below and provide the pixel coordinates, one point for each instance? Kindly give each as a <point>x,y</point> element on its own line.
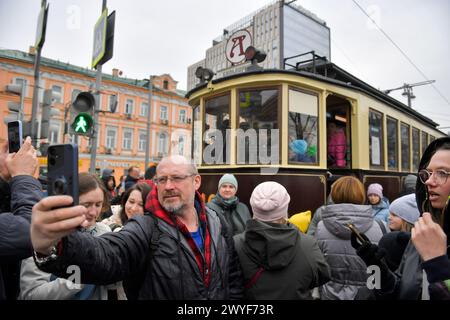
<point>338,133</point>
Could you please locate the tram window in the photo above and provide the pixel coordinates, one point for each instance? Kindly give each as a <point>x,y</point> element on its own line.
<point>424,141</point>
<point>216,136</point>
<point>392,143</point>
<point>432,138</point>
<point>303,112</point>
<point>415,149</point>
<point>258,137</point>
<point>197,134</point>
<point>376,138</point>
<point>404,134</point>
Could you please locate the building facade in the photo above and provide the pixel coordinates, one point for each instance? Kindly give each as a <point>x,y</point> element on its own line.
<point>122,136</point>
<point>281,30</point>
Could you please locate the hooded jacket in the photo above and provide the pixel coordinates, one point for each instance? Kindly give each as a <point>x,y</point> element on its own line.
<point>291,262</point>
<point>162,268</point>
<point>380,211</point>
<point>348,270</point>
<point>409,283</point>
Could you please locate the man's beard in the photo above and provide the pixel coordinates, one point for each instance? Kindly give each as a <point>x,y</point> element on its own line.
<point>175,209</point>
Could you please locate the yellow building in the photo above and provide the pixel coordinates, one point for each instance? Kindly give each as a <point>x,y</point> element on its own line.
<point>122,135</point>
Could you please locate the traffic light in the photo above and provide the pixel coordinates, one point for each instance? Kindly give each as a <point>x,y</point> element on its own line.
<point>48,111</point>
<point>84,107</point>
<point>15,108</point>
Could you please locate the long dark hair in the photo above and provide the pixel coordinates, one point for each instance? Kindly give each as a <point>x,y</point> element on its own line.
<point>143,188</point>
<point>88,182</point>
<point>424,205</point>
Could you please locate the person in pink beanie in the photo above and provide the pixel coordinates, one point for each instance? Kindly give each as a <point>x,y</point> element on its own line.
<point>278,261</point>
<point>379,203</point>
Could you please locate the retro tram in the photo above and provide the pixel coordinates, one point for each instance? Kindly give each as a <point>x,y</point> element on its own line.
<point>304,128</point>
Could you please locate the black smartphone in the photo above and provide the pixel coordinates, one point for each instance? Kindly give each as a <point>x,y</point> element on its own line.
<point>14,136</point>
<point>357,233</point>
<point>62,170</point>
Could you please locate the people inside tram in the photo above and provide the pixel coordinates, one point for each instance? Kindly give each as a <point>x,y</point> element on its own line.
<point>337,144</point>
<point>227,204</point>
<point>301,152</point>
<point>379,203</point>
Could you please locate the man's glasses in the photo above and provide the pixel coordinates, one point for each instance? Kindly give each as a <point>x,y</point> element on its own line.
<point>440,176</point>
<point>175,179</point>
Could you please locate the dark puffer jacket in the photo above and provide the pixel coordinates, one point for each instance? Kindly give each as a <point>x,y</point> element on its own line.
<point>290,263</point>
<point>167,270</point>
<point>236,214</point>
<point>15,243</point>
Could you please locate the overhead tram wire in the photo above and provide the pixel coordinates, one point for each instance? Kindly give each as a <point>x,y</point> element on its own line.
<point>401,51</point>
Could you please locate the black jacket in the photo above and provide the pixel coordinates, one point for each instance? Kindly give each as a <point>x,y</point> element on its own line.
<point>236,214</point>
<point>289,262</point>
<point>129,182</point>
<point>408,277</point>
<point>163,270</point>
<point>15,243</point>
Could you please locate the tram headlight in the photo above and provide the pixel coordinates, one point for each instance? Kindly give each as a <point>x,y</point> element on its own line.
<point>254,55</point>
<point>204,74</point>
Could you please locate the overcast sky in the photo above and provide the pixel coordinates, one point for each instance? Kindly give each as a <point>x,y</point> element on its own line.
<point>156,37</point>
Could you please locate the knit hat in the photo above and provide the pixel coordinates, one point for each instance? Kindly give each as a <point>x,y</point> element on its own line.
<point>269,201</point>
<point>410,183</point>
<point>375,188</point>
<point>394,243</point>
<point>406,208</point>
<point>228,178</point>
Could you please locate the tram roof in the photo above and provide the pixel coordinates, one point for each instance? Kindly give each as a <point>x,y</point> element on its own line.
<point>339,77</point>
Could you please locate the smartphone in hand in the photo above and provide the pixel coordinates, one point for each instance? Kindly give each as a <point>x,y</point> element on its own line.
<point>62,165</point>
<point>14,136</point>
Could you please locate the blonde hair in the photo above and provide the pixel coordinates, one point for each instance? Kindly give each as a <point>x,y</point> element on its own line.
<point>348,190</point>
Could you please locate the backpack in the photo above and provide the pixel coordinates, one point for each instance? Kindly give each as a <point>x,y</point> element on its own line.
<point>132,285</point>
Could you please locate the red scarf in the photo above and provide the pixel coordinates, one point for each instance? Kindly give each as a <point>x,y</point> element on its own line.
<point>152,204</point>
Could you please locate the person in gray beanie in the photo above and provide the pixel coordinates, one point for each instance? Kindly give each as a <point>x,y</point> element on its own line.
<point>403,213</point>
<point>278,261</point>
<point>227,203</point>
<point>409,184</point>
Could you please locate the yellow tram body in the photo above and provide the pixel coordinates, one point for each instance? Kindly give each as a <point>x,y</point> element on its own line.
<point>384,138</point>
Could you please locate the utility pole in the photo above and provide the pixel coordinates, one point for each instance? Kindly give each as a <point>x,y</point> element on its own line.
<point>98,82</point>
<point>40,39</point>
<point>149,118</point>
<point>408,91</point>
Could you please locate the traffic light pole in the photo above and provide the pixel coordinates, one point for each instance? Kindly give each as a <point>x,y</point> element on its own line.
<point>37,63</point>
<point>98,83</point>
<point>34,108</point>
<point>149,118</point>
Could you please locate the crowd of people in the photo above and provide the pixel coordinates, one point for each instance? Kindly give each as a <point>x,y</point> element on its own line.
<point>153,236</point>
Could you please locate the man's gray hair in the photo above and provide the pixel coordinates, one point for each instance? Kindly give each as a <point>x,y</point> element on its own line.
<point>180,160</point>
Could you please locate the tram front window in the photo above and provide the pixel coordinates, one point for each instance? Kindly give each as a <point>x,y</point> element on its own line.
<point>303,111</point>
<point>257,134</point>
<point>217,135</point>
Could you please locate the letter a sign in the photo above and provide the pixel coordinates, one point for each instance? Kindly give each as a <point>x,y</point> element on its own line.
<point>236,46</point>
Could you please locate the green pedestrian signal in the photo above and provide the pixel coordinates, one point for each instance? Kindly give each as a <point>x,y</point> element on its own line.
<point>82,124</point>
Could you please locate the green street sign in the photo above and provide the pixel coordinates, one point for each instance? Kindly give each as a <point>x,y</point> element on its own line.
<point>82,124</point>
